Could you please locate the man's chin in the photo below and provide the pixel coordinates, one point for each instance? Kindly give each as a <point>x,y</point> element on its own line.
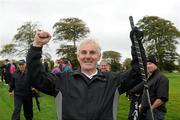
<point>88,68</point>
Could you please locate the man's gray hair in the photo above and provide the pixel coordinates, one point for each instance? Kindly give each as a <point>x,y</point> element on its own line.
<point>89,40</point>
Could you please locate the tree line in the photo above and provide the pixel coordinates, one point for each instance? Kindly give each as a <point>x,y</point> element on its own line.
<point>160,39</point>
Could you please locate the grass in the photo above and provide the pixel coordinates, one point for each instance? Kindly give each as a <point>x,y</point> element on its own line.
<point>47,104</point>
<point>173,105</point>
<point>48,111</point>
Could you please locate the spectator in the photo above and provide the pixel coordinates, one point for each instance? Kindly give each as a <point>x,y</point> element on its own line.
<point>12,68</point>
<point>2,69</point>
<point>22,93</point>
<point>61,63</point>
<point>56,68</point>
<point>104,66</point>
<point>46,66</point>
<point>66,67</point>
<point>7,74</point>
<point>158,86</point>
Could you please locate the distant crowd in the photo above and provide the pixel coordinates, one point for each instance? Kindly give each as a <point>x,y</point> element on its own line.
<point>8,67</point>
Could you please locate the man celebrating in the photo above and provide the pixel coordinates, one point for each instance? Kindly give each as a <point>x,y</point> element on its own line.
<point>86,94</point>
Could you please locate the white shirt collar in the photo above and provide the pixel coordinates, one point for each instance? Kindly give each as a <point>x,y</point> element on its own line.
<point>91,76</point>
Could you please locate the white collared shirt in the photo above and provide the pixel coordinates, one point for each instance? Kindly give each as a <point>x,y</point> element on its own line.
<point>91,76</point>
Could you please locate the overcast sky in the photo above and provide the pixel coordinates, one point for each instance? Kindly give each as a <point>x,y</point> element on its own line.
<point>107,19</point>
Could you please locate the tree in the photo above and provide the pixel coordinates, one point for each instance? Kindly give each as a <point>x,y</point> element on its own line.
<point>70,29</point>
<point>68,51</point>
<point>160,38</point>
<point>24,37</point>
<point>169,66</point>
<point>114,59</point>
<point>178,66</point>
<point>8,50</point>
<point>127,63</point>
<point>22,41</point>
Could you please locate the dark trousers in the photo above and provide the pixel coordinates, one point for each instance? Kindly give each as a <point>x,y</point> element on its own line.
<point>7,78</point>
<point>26,101</point>
<point>2,75</point>
<point>158,115</point>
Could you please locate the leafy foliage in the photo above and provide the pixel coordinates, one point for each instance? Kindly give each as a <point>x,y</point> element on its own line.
<point>160,39</point>
<point>68,51</point>
<point>114,59</point>
<point>178,64</point>
<point>111,56</point>
<point>8,50</point>
<point>24,37</point>
<point>21,41</point>
<point>127,63</point>
<point>70,29</point>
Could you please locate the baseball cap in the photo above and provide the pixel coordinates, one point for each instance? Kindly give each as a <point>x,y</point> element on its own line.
<point>21,61</point>
<point>152,59</point>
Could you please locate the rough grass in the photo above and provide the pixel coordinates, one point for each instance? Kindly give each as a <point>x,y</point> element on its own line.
<point>48,105</point>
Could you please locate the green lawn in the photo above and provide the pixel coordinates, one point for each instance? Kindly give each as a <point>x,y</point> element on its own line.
<point>48,110</point>
<point>47,104</point>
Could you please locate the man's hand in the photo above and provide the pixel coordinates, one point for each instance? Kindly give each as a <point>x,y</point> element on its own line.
<point>34,89</point>
<point>41,38</point>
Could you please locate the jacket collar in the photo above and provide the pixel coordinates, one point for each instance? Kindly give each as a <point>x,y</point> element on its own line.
<point>99,76</point>
<point>154,73</point>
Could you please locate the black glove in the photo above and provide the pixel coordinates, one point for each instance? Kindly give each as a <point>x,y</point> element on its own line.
<point>138,34</point>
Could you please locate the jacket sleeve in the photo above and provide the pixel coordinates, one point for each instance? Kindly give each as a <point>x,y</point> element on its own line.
<point>138,89</point>
<point>41,80</point>
<point>130,78</point>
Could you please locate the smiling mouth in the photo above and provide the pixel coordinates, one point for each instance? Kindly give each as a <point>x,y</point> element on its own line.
<point>88,63</point>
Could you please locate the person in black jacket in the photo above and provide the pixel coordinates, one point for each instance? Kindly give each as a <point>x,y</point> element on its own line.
<point>6,71</point>
<point>85,94</point>
<point>20,87</point>
<point>158,85</point>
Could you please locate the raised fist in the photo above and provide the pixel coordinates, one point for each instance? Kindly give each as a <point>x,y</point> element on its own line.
<point>41,38</point>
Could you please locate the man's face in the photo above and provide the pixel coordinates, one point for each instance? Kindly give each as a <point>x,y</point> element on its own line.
<point>104,67</point>
<point>151,67</point>
<point>60,61</point>
<point>22,67</point>
<point>88,57</point>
